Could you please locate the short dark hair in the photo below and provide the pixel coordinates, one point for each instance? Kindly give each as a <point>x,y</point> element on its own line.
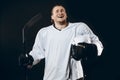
<point>55,6</point>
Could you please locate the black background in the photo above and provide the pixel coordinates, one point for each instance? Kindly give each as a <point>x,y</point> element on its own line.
<point>102,16</point>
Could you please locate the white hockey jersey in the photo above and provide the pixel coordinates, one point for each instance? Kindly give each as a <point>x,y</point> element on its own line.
<point>54,45</point>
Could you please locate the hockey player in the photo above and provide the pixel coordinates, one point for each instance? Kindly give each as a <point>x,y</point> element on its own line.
<point>63,45</point>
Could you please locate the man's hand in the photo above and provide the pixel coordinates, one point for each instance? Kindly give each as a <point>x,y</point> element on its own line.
<point>26,60</point>
<point>83,50</point>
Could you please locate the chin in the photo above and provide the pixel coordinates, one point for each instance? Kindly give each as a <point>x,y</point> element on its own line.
<point>62,20</point>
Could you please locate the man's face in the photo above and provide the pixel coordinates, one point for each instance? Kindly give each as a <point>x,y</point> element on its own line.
<point>59,14</point>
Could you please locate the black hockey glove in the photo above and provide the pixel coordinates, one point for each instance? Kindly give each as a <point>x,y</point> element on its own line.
<point>25,60</point>
<point>83,50</point>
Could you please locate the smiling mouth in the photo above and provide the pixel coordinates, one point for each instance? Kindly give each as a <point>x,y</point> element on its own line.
<point>60,16</point>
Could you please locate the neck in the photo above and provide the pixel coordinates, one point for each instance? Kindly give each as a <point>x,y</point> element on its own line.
<point>60,25</point>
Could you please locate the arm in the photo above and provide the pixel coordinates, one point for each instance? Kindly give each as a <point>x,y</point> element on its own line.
<point>84,30</point>
<point>86,43</point>
<point>38,49</point>
<point>36,54</point>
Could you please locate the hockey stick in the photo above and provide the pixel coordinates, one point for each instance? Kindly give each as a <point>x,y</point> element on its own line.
<point>28,25</point>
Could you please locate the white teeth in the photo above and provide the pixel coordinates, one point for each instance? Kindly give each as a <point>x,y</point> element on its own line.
<point>60,16</point>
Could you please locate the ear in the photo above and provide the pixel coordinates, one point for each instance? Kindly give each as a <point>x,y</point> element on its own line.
<point>52,17</point>
<point>66,15</point>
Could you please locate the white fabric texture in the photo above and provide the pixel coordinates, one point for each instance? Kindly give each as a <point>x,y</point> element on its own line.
<point>54,46</point>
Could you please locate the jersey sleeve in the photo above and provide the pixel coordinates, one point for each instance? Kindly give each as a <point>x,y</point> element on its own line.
<point>38,51</point>
<point>83,29</point>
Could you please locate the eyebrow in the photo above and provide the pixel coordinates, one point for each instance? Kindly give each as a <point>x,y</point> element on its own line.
<point>60,9</point>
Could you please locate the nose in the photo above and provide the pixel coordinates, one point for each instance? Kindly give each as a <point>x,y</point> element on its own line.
<point>59,12</point>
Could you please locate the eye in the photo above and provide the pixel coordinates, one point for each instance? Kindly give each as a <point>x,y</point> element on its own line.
<point>62,10</point>
<point>57,11</point>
